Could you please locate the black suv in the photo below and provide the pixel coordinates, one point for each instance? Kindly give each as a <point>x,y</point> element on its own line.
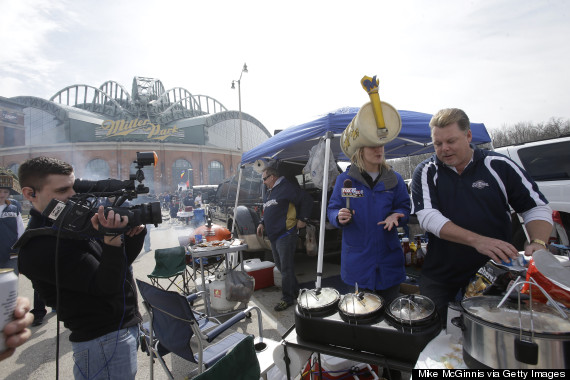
<point>250,205</point>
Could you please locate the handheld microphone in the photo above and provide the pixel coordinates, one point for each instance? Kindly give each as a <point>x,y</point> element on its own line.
<point>346,190</point>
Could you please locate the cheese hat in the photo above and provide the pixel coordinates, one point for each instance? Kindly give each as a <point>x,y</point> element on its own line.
<point>363,129</point>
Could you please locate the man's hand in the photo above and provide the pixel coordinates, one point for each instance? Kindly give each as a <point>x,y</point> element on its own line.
<point>301,224</point>
<point>260,229</point>
<point>136,230</point>
<point>496,249</point>
<point>531,248</point>
<point>112,221</point>
<point>391,221</point>
<point>16,332</point>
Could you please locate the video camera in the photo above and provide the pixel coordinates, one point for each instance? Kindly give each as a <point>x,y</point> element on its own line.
<point>75,214</point>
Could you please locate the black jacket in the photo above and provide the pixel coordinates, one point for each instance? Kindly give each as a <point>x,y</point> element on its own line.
<point>92,277</point>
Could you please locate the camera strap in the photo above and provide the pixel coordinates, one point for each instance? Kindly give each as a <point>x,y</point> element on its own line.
<point>45,231</point>
<point>113,231</point>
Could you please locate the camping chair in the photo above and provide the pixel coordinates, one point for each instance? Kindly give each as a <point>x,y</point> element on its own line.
<point>170,264</point>
<point>174,327</point>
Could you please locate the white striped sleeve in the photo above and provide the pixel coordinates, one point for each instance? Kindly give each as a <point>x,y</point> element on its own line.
<point>538,213</point>
<point>431,220</point>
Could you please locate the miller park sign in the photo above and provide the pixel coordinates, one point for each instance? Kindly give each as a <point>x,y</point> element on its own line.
<point>115,128</point>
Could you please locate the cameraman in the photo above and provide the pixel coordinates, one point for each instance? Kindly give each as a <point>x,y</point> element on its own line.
<point>92,287</point>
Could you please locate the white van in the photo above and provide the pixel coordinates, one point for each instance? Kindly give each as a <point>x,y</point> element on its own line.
<point>548,163</point>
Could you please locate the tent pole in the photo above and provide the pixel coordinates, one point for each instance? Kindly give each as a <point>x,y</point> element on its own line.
<point>237,198</point>
<point>329,135</point>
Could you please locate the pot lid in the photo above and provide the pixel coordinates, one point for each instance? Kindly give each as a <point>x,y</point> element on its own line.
<point>555,268</point>
<point>313,299</point>
<point>360,304</point>
<point>545,319</point>
<point>412,308</point>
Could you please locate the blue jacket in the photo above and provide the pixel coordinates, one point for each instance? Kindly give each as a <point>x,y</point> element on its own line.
<point>371,256</point>
<point>282,206</point>
<point>477,200</point>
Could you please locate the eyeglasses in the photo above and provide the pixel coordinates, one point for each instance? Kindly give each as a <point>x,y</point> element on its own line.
<point>265,178</point>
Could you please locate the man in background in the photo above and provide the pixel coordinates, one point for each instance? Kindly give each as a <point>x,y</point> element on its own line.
<point>11,223</point>
<point>286,208</point>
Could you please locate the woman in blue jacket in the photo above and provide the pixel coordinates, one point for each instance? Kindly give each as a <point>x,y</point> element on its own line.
<point>372,255</point>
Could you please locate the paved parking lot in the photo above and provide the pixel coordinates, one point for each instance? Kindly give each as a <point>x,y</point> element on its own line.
<point>37,358</point>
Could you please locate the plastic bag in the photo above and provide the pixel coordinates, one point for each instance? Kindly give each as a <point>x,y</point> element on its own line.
<point>239,286</point>
<point>316,164</point>
<point>491,279</point>
<point>549,272</point>
<point>311,240</point>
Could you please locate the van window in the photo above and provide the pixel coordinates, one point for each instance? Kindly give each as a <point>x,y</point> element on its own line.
<point>549,162</point>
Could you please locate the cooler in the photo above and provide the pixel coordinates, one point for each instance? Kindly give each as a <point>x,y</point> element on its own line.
<point>199,217</point>
<point>262,271</point>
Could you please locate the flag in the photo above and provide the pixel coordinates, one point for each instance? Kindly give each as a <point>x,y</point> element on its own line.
<point>188,184</point>
<point>182,174</point>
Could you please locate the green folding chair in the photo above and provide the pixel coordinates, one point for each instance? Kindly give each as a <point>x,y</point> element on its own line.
<point>170,267</point>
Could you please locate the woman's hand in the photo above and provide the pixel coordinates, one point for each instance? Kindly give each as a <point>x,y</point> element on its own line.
<point>344,215</point>
<point>391,221</point>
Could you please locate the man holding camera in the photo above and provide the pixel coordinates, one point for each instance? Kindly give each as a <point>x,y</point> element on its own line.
<point>87,279</point>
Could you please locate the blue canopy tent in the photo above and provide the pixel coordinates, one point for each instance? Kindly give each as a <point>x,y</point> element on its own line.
<point>294,142</point>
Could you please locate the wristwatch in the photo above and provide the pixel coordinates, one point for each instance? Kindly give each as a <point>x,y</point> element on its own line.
<point>538,241</point>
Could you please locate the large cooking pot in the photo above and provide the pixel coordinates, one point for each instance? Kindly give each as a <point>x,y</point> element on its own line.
<point>513,337</point>
<point>360,306</point>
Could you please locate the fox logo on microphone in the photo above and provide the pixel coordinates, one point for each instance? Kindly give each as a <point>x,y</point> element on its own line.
<point>351,192</point>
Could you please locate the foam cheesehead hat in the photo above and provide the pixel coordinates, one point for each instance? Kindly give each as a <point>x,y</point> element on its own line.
<point>9,180</point>
<point>376,123</point>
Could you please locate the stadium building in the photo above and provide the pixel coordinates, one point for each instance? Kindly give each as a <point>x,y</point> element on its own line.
<point>99,130</point>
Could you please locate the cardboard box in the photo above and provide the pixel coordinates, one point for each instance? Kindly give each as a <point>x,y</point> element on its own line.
<point>262,271</point>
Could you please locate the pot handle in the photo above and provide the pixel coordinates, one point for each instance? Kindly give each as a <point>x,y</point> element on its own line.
<point>526,352</point>
<point>458,322</point>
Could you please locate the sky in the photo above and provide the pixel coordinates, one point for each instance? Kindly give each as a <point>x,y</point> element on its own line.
<point>502,61</point>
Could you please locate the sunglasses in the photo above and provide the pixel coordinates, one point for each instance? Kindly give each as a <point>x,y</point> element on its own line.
<point>265,178</point>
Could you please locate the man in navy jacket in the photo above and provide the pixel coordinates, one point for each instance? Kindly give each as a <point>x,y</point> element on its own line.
<point>286,208</point>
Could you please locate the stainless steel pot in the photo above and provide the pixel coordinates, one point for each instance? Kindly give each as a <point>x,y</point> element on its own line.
<point>360,305</point>
<point>500,333</point>
<point>412,309</point>
<point>317,300</point>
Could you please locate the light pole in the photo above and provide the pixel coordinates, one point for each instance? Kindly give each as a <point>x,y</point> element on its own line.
<point>243,70</point>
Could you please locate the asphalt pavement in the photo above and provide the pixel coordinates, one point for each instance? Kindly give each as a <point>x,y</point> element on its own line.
<point>37,359</point>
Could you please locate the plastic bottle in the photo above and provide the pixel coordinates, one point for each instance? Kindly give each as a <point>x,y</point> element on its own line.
<point>413,250</point>
<point>420,253</point>
<point>407,251</point>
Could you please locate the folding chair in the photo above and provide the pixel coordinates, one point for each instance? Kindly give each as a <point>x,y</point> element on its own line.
<point>210,264</point>
<point>174,327</point>
<point>170,264</point>
<point>239,364</point>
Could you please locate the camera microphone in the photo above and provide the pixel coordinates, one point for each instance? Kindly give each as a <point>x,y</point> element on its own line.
<point>105,185</point>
